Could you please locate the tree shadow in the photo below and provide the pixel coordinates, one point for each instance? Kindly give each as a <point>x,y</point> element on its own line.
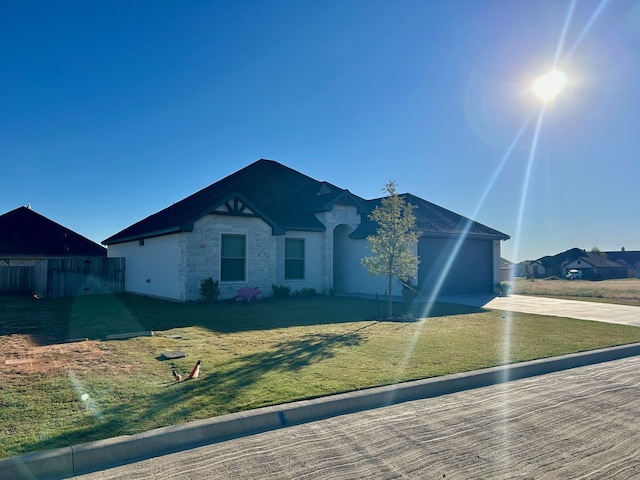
<point>44,321</point>
<point>95,317</point>
<point>178,402</point>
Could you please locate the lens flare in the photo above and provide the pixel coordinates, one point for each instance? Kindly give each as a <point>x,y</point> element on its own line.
<point>85,397</point>
<point>550,85</point>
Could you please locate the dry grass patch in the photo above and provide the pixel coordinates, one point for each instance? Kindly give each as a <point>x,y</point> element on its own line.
<point>625,291</point>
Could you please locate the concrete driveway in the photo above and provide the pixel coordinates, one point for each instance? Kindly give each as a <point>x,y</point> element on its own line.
<point>599,312</point>
<point>579,423</point>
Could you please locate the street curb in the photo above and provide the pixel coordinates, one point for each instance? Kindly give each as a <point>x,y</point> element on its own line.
<point>89,457</point>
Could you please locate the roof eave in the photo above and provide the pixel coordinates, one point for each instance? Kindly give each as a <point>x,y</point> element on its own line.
<point>298,228</point>
<point>139,236</point>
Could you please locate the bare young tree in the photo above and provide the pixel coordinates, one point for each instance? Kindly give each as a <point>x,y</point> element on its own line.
<point>392,245</point>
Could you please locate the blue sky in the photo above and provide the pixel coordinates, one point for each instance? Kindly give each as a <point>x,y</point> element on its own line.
<point>111,111</point>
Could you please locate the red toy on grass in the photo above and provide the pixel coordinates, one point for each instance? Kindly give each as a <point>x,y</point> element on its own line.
<point>196,370</point>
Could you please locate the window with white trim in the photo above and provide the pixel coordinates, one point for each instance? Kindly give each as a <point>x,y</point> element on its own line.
<point>233,258</point>
<point>294,258</point>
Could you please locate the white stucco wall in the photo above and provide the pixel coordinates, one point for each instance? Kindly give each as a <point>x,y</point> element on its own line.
<point>339,215</point>
<point>312,265</point>
<point>497,262</point>
<point>355,278</point>
<point>152,268</point>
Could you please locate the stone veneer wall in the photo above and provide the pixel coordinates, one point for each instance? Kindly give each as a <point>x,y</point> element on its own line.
<point>340,214</point>
<point>202,254</point>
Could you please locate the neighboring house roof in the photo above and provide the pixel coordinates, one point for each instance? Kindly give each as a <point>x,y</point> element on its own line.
<point>567,256</point>
<point>504,263</point>
<point>597,261</point>
<point>631,257</point>
<point>286,200</point>
<point>25,233</point>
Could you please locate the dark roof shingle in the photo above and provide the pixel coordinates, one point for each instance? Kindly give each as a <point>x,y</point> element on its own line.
<point>25,233</point>
<point>287,200</point>
<point>432,220</point>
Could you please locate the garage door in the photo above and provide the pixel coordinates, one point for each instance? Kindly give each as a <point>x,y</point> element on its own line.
<point>468,271</point>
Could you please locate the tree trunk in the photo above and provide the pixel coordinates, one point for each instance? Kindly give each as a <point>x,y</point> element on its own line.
<point>389,297</point>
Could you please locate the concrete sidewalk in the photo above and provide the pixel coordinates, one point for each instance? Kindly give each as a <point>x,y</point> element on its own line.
<point>599,312</point>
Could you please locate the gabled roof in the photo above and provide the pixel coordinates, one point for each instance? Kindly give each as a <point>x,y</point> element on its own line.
<point>286,200</point>
<point>433,221</point>
<point>567,256</point>
<point>631,257</point>
<point>504,263</point>
<point>282,197</point>
<point>25,233</point>
<point>596,260</point>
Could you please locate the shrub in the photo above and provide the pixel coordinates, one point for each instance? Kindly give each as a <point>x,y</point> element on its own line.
<point>305,292</point>
<point>209,290</point>
<point>504,288</point>
<point>281,291</point>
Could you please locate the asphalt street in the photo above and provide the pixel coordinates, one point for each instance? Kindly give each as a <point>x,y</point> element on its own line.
<point>578,423</point>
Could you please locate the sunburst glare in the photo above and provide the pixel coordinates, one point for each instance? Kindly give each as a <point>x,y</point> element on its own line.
<point>550,85</point>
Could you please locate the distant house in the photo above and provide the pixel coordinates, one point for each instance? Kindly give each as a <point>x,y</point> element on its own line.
<point>594,266</point>
<point>268,224</point>
<point>506,269</point>
<point>597,267</point>
<point>39,256</point>
<point>26,237</point>
<point>630,258</point>
<point>537,269</point>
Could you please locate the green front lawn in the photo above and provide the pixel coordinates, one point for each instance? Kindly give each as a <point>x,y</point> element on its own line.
<point>253,355</point>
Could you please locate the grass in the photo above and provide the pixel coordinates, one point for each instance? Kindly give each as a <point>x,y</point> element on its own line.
<point>253,355</point>
<point>624,291</point>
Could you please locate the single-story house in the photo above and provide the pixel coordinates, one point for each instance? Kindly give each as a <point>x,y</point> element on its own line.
<point>594,266</point>
<point>26,237</point>
<point>507,269</point>
<point>597,267</point>
<point>268,224</point>
<point>630,257</point>
<point>531,269</point>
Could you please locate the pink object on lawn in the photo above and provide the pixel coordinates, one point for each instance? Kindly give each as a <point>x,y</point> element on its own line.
<point>248,294</point>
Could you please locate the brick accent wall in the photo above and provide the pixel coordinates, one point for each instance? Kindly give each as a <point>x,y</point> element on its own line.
<point>202,254</point>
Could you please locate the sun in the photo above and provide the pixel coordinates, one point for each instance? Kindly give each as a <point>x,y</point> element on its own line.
<point>550,85</point>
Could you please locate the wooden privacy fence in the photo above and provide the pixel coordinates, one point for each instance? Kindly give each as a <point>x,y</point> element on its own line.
<point>16,280</point>
<point>65,277</point>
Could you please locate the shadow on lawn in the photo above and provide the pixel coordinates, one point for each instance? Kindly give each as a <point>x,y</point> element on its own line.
<point>96,316</point>
<point>218,391</point>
